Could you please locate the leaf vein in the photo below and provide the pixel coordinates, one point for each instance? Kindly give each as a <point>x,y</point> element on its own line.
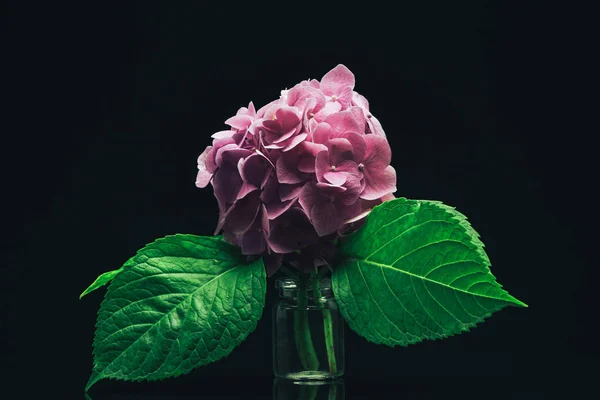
<point>374,252</point>
<point>427,279</point>
<point>162,318</point>
<point>402,304</point>
<point>450,263</point>
<point>377,304</point>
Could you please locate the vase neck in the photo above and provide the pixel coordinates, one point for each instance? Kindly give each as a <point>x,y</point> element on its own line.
<point>311,289</point>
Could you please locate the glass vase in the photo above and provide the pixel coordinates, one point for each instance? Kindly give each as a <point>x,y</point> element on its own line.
<point>308,330</point>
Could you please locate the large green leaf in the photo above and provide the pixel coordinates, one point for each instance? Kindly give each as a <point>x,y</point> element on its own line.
<point>184,301</point>
<point>416,270</point>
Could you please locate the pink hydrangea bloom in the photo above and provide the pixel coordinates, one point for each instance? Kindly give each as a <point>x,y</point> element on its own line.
<point>300,171</point>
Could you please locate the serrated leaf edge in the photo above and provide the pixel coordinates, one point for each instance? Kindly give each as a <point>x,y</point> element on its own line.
<point>95,377</point>
<point>478,246</point>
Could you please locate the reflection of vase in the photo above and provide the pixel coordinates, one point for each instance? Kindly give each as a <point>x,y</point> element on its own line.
<point>308,330</point>
<point>284,389</point>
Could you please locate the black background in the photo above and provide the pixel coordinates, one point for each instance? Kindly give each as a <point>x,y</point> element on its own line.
<point>108,107</point>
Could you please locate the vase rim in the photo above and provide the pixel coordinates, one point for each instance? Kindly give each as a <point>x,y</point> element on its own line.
<point>289,282</point>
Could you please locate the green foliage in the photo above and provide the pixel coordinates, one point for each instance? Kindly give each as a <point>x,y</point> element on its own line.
<point>100,281</point>
<point>182,302</point>
<point>107,277</point>
<point>416,270</point>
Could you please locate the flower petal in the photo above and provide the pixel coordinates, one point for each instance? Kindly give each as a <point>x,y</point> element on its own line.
<point>245,190</point>
<point>286,168</point>
<point>345,98</point>
<point>240,122</point>
<point>331,107</point>
<point>326,218</point>
<point>295,141</point>
<point>309,196</point>
<point>353,187</point>
<point>286,119</point>
<point>306,98</point>
<point>375,126</point>
<point>340,149</point>
<point>310,124</point>
<point>359,117</point>
<point>284,137</point>
<point>335,178</point>
<point>264,220</point>
<point>274,210</point>
<point>349,167</point>
<point>291,231</point>
<point>203,178</point>
<point>204,175</point>
<point>251,109</point>
<point>360,101</point>
<point>329,189</point>
<point>379,183</point>
<point>350,211</point>
<point>242,214</point>
<point>210,160</point>
<point>274,146</point>
<point>322,165</point>
<point>358,217</point>
<point>342,122</point>
<point>325,207</point>
<point>230,153</point>
<point>312,148</point>
<point>254,169</point>
<point>378,154</point>
<point>223,134</point>
<point>226,183</point>
<point>322,133</point>
<point>357,141</point>
<point>261,112</point>
<point>289,192</point>
<point>253,241</point>
<point>337,79</point>
<point>307,164</point>
<point>270,192</point>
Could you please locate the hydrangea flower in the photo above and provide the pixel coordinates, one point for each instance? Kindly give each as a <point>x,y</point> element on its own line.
<point>300,171</point>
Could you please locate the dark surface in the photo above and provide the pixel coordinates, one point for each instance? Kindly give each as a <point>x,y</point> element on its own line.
<point>484,107</point>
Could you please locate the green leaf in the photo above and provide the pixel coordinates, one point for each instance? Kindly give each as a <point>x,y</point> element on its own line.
<point>416,270</point>
<point>184,301</point>
<point>101,281</point>
<point>106,278</point>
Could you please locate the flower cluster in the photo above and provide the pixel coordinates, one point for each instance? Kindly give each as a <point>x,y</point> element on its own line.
<point>299,169</point>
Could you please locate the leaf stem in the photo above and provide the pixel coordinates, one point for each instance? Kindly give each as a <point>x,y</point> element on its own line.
<point>327,328</point>
<point>304,343</point>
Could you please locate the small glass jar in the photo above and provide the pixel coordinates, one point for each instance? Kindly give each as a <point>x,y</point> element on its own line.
<point>308,330</point>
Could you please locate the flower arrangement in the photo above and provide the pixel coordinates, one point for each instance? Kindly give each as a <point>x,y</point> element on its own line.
<point>303,182</point>
<point>315,159</point>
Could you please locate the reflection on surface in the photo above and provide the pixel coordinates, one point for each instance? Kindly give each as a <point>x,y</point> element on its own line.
<point>284,389</point>
<point>266,388</point>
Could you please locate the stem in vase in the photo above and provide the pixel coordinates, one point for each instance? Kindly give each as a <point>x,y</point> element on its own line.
<point>327,328</point>
<point>304,343</point>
